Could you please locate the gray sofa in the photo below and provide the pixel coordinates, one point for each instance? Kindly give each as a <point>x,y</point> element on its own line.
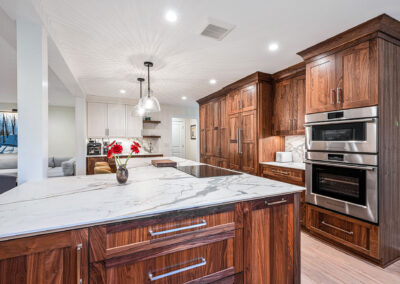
<point>9,164</point>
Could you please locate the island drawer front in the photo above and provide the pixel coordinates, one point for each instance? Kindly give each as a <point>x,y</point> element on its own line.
<point>352,233</point>
<point>202,264</point>
<point>139,235</point>
<point>292,176</point>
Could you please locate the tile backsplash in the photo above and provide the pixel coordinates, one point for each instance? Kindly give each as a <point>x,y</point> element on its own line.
<point>296,145</point>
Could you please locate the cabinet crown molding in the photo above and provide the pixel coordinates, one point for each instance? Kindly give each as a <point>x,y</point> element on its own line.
<point>382,25</point>
<point>252,78</point>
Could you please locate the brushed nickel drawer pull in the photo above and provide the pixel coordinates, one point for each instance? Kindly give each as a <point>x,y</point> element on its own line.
<point>154,278</point>
<point>276,202</point>
<point>338,95</point>
<point>78,263</point>
<point>202,224</point>
<point>337,228</point>
<point>331,94</point>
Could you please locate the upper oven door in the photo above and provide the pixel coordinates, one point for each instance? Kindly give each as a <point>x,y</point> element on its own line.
<point>352,135</point>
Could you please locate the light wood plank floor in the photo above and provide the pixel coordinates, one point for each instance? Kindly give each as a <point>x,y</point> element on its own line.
<point>322,263</point>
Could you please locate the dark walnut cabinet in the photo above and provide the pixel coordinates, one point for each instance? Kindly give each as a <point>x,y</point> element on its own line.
<point>360,68</point>
<point>346,79</point>
<point>47,259</point>
<point>238,116</point>
<point>246,242</point>
<point>289,101</point>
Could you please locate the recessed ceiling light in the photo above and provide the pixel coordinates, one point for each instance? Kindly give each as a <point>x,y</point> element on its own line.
<point>213,81</point>
<point>122,91</point>
<point>184,98</point>
<point>171,16</point>
<point>273,46</point>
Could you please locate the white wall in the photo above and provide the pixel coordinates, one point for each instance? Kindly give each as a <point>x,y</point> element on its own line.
<point>191,145</point>
<point>164,129</point>
<point>62,131</point>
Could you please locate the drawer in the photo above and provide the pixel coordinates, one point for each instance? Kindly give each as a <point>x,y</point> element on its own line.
<point>135,236</point>
<point>203,264</point>
<point>352,233</point>
<point>293,176</point>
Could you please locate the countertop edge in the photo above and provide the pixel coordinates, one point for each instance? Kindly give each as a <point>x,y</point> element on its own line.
<point>133,217</point>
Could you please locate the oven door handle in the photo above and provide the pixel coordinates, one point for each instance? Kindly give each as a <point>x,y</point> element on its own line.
<point>340,121</point>
<point>341,165</point>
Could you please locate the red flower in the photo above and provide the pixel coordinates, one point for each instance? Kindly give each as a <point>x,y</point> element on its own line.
<point>111,144</point>
<point>136,144</point>
<point>110,154</point>
<point>135,149</point>
<point>117,149</point>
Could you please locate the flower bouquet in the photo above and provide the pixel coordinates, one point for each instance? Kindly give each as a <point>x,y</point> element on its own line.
<point>115,150</point>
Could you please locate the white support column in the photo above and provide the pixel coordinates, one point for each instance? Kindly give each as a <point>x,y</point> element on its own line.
<point>80,134</point>
<point>32,83</point>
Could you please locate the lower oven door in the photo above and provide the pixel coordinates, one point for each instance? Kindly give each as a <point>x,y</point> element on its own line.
<point>348,189</point>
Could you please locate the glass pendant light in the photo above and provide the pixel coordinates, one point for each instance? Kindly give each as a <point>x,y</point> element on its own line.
<point>139,108</point>
<point>150,102</point>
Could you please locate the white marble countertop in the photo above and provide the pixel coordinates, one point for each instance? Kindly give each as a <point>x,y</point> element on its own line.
<point>292,165</point>
<point>63,203</point>
<point>127,154</point>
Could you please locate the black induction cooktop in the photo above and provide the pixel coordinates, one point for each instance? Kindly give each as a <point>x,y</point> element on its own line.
<point>203,171</point>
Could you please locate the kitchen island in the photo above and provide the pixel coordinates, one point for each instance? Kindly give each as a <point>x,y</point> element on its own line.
<point>163,226</point>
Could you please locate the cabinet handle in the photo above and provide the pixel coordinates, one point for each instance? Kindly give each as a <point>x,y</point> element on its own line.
<point>290,124</point>
<point>337,228</point>
<point>294,124</point>
<point>202,224</point>
<point>331,93</point>
<point>240,141</point>
<point>276,202</point>
<point>78,263</point>
<point>202,263</point>
<point>338,95</point>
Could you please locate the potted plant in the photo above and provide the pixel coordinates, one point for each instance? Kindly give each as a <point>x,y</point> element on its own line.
<point>115,150</point>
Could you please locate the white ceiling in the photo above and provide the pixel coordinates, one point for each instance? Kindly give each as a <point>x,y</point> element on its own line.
<point>105,43</point>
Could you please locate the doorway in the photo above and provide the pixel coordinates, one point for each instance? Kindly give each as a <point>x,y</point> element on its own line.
<point>184,143</point>
<point>178,138</point>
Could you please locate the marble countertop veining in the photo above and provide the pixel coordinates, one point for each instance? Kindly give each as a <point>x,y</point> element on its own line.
<point>292,165</point>
<point>127,154</point>
<point>63,203</point>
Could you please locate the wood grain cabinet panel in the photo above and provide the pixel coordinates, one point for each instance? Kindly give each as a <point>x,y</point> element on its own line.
<point>248,98</point>
<point>282,108</point>
<point>248,140</point>
<point>321,85</point>
<point>48,259</point>
<point>234,126</point>
<point>289,106</point>
<point>272,250</point>
<point>356,76</point>
<point>288,175</point>
<point>359,236</point>
<point>233,102</point>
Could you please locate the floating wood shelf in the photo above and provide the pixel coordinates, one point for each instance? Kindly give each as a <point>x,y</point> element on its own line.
<point>151,136</point>
<point>152,121</point>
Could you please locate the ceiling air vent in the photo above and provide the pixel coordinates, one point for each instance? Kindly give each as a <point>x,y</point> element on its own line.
<point>216,29</point>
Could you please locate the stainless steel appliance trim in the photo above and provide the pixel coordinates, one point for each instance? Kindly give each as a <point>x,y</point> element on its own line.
<point>353,113</point>
<point>368,212</point>
<point>348,158</point>
<point>340,121</point>
<point>341,165</point>
<point>370,145</point>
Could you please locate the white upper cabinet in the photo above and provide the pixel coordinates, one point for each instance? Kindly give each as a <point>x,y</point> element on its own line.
<point>112,120</point>
<point>116,120</point>
<point>96,120</point>
<point>134,124</point>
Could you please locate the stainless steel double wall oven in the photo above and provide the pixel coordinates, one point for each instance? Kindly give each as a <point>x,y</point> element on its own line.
<point>342,161</point>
